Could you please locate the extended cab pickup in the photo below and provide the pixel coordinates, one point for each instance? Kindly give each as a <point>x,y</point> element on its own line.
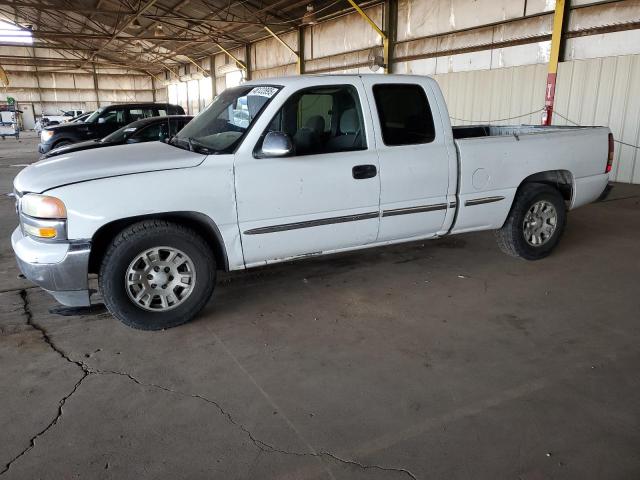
<point>287,168</point>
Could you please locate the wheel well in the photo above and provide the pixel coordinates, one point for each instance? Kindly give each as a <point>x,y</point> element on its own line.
<point>62,140</point>
<point>198,222</point>
<point>559,179</point>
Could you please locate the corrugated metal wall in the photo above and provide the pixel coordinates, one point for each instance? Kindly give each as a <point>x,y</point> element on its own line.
<point>605,91</point>
<point>66,91</point>
<point>504,95</point>
<point>490,58</point>
<point>599,91</point>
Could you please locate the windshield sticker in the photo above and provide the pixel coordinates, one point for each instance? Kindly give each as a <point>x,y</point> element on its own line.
<point>263,91</point>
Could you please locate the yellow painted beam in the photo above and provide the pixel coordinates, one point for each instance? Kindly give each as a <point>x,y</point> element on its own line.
<point>367,18</point>
<point>155,76</point>
<point>272,33</point>
<point>385,38</point>
<point>298,56</point>
<point>554,57</point>
<point>240,63</point>
<point>556,36</point>
<point>4,78</point>
<point>205,72</point>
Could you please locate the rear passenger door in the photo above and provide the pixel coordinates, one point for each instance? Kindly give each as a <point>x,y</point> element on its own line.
<point>413,157</point>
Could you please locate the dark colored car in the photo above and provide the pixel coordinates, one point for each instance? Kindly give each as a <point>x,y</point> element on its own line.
<point>149,129</point>
<point>102,122</point>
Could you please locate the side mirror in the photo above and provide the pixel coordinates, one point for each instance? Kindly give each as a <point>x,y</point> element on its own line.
<point>133,140</point>
<point>276,144</point>
<point>102,120</point>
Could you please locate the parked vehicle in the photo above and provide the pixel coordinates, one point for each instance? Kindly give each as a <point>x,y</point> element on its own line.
<point>102,122</point>
<point>150,129</point>
<point>65,116</point>
<point>325,164</point>
<point>80,118</point>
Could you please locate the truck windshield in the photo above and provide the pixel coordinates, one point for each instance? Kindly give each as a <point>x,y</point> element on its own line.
<point>219,128</point>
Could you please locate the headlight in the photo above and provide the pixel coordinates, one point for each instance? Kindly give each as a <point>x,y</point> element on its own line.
<point>43,206</point>
<point>46,135</point>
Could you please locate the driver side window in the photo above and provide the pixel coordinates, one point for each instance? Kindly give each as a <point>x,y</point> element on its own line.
<point>114,117</point>
<point>322,120</point>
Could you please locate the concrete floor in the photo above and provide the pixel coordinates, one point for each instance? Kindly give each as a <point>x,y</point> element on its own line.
<point>441,360</point>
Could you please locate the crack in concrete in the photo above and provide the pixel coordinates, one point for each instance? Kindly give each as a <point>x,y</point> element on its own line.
<point>88,371</point>
<point>85,373</point>
<point>261,445</point>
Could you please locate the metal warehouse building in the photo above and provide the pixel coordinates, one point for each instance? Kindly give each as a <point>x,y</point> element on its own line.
<point>489,57</point>
<point>320,239</point>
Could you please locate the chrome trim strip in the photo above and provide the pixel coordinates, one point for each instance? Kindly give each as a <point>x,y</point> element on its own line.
<point>312,223</point>
<point>452,204</point>
<point>409,210</point>
<point>481,201</point>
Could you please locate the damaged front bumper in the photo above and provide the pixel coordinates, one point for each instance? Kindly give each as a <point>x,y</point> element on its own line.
<point>59,268</point>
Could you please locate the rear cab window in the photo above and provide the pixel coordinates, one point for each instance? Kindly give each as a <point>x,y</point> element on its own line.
<point>404,113</point>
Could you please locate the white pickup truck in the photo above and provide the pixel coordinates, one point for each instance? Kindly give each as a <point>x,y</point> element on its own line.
<point>287,168</point>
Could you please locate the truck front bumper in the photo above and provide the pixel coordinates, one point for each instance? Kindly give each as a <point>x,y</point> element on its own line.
<point>59,268</point>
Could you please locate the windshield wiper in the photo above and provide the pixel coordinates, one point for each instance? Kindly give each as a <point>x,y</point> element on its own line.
<point>198,147</point>
<point>190,144</point>
<point>175,142</point>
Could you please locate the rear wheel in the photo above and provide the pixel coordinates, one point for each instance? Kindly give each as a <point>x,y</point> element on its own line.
<point>535,224</point>
<point>157,274</point>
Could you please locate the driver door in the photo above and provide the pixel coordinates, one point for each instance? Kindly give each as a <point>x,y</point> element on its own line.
<point>323,196</point>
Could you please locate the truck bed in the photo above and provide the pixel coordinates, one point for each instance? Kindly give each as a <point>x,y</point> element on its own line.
<point>476,131</point>
<point>494,160</point>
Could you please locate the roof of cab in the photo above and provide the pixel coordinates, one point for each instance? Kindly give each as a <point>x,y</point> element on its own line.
<point>322,79</point>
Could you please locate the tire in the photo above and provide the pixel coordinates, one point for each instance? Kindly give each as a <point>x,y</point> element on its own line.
<point>152,241</point>
<point>516,239</point>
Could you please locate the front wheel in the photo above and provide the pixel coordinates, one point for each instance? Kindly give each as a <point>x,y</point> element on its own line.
<point>535,224</point>
<point>157,274</point>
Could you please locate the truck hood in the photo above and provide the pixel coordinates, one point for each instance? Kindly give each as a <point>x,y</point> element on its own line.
<point>64,127</point>
<point>76,147</point>
<point>103,163</point>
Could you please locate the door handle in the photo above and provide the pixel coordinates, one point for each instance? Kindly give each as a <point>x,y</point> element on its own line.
<point>364,171</point>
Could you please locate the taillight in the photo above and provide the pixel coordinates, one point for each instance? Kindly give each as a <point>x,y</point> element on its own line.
<point>610,157</point>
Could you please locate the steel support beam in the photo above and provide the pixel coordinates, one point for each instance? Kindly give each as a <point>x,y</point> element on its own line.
<point>123,27</point>
<point>212,69</point>
<point>95,85</point>
<point>390,21</point>
<point>297,54</point>
<point>248,63</point>
<point>300,63</point>
<point>556,46</point>
<point>239,62</point>
<point>381,34</point>
<point>38,84</point>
